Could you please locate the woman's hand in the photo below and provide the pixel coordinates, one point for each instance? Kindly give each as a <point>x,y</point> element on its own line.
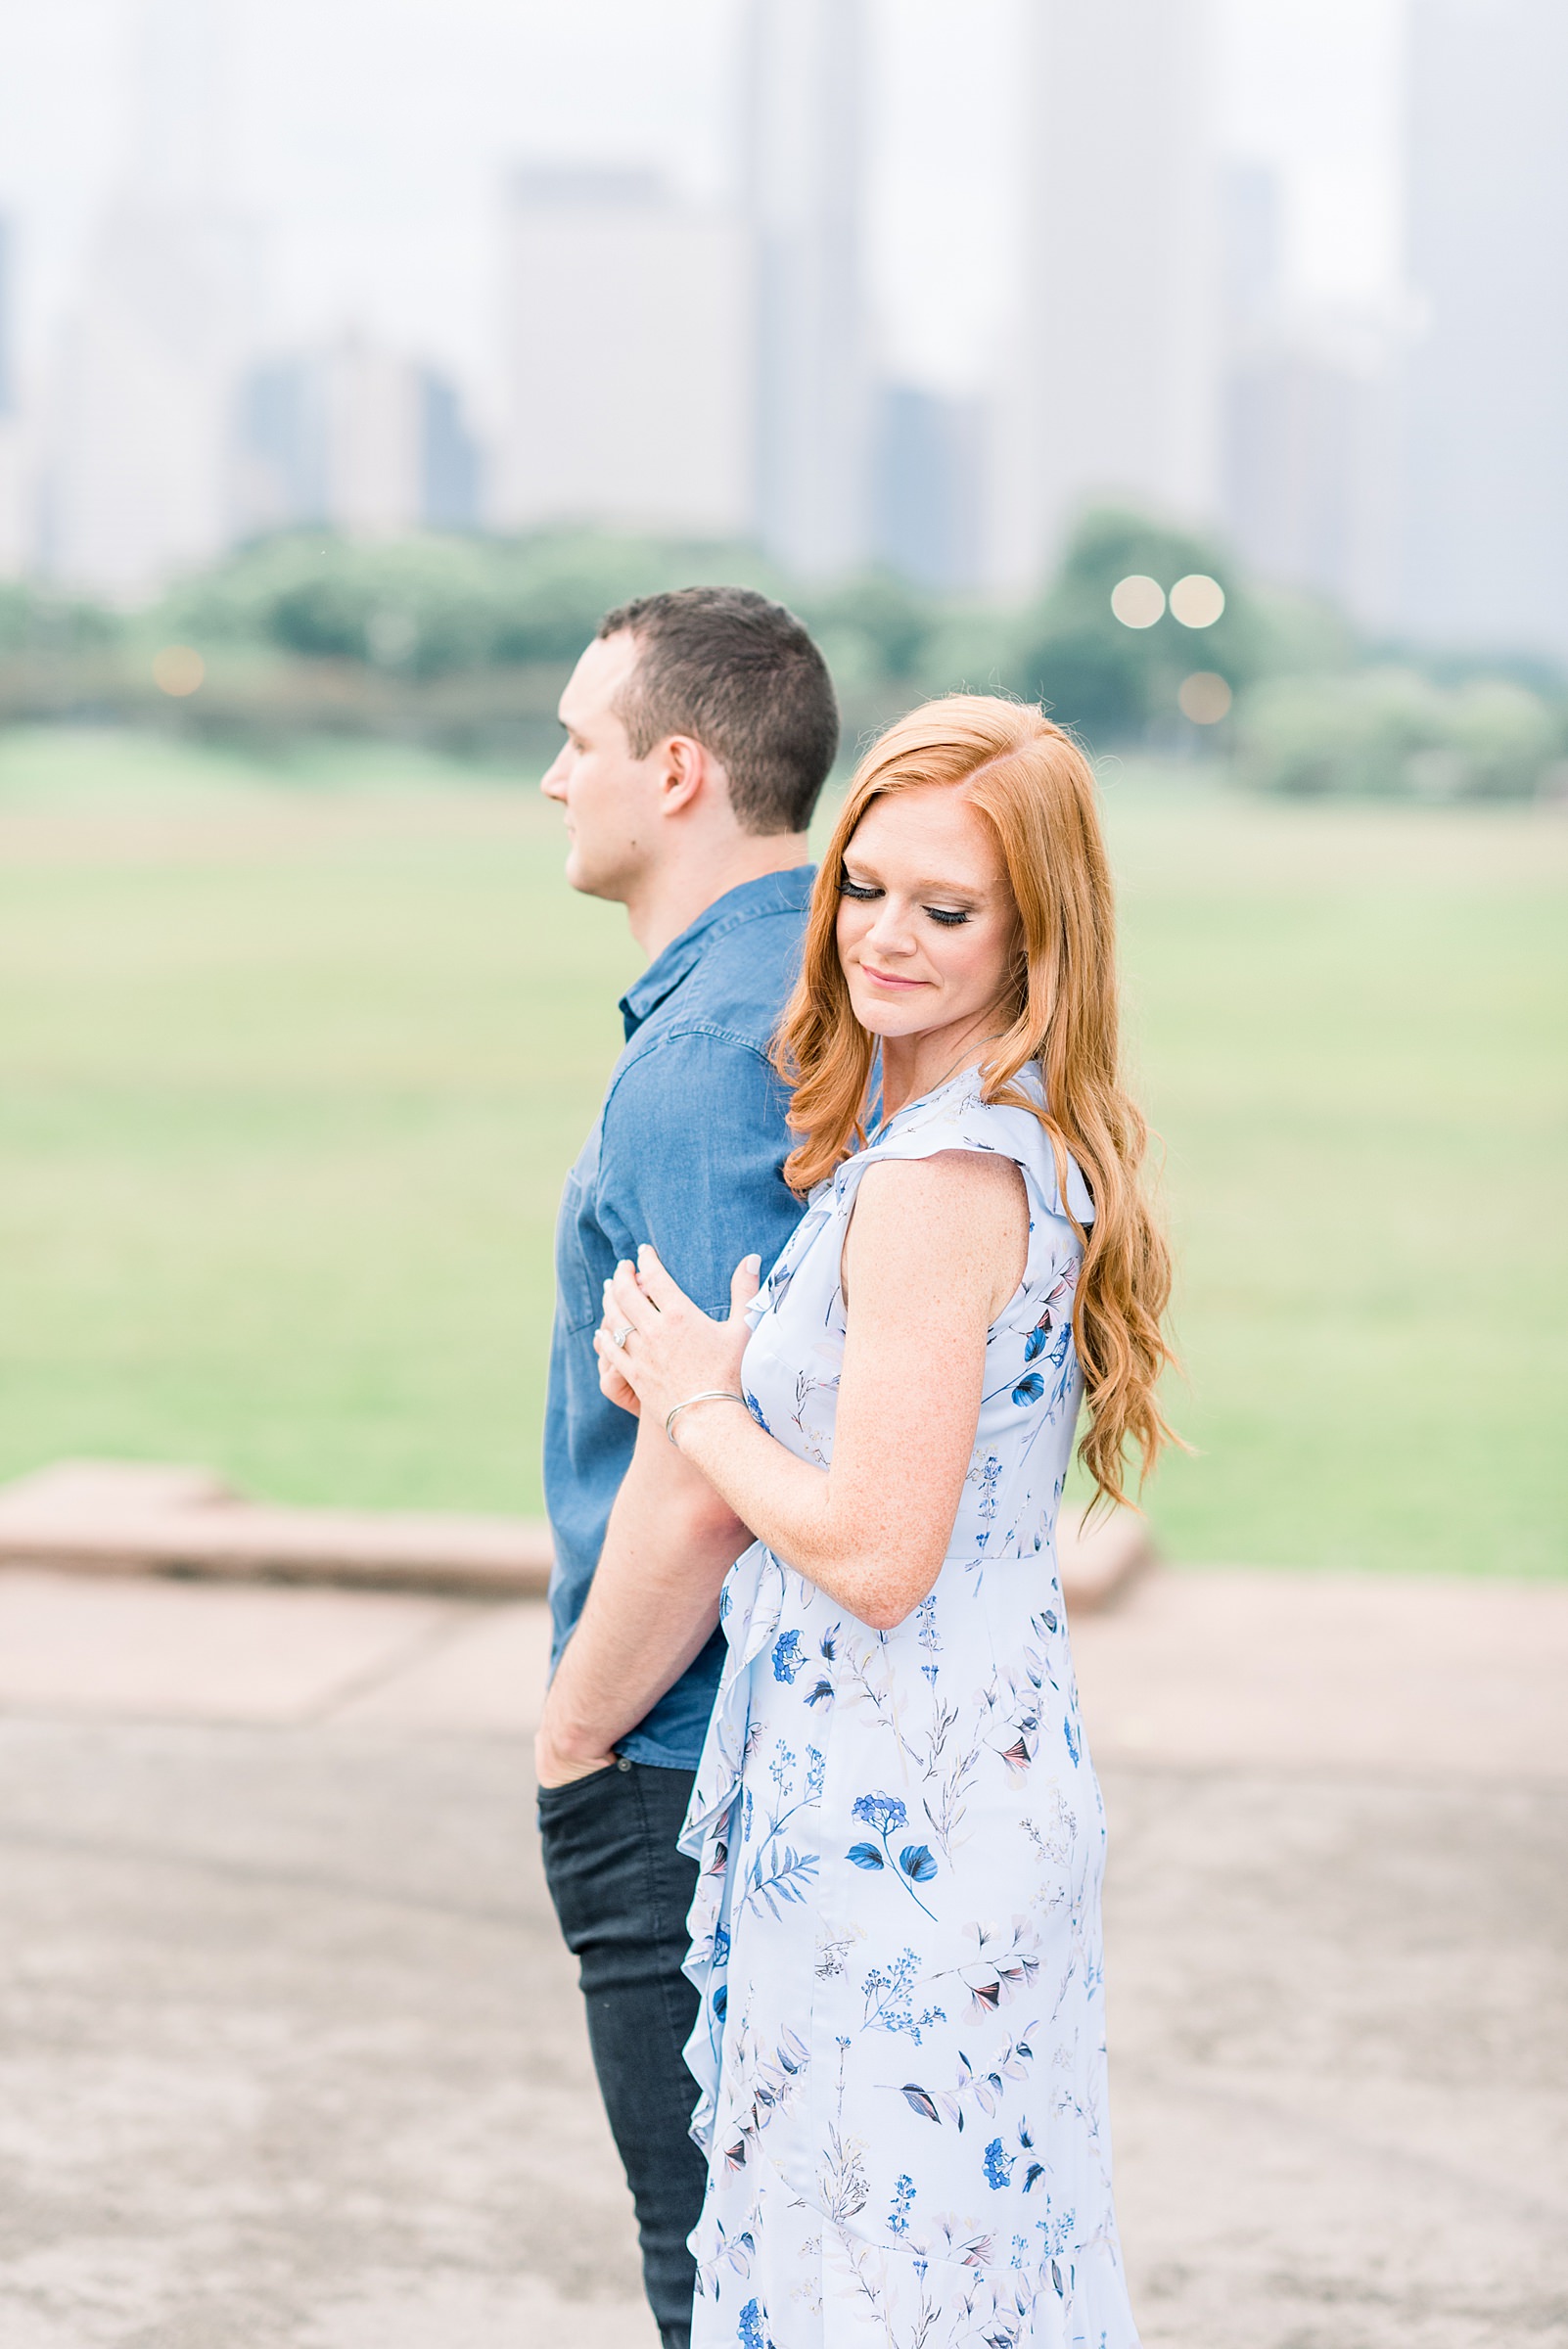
<point>672,1350</point>
<point>611,1384</point>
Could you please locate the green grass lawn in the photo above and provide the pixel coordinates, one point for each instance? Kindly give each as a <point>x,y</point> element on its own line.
<point>293,1060</point>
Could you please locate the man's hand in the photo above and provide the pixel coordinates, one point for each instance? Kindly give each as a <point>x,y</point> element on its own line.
<point>553,1766</point>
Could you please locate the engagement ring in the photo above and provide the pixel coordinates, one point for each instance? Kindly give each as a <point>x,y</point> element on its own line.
<point>618,1337</point>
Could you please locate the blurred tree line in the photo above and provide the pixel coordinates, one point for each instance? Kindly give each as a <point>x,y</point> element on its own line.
<point>464,643</point>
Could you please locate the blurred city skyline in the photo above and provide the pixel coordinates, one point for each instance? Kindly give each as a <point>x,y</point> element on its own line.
<point>864,282</point>
<point>368,142</point>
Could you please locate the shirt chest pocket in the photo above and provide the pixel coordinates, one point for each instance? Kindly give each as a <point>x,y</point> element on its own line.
<point>583,1255</point>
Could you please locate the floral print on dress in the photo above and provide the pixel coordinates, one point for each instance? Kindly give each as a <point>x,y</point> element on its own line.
<point>901,2044</point>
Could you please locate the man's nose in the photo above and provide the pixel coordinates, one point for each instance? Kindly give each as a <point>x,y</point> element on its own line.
<point>554,784</point>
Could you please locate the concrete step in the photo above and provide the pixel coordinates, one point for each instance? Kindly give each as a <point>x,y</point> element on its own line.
<point>133,1517</point>
<point>110,1516</point>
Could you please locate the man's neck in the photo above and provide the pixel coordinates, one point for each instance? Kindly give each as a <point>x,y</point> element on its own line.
<point>670,899</point>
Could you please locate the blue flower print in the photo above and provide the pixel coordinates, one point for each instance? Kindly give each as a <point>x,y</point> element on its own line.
<point>884,1812</point>
<point>1030,1388</point>
<point>903,2194</point>
<point>753,2331</point>
<point>915,1863</point>
<point>889,2002</point>
<point>929,1636</point>
<point>788,1657</point>
<point>998,2165</point>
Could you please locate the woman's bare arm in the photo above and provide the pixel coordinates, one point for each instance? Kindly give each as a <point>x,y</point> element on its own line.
<point>936,1247</point>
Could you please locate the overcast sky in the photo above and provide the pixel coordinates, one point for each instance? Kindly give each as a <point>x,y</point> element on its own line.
<point>368,138</point>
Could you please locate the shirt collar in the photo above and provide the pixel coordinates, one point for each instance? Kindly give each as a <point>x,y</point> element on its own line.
<point>775,893</point>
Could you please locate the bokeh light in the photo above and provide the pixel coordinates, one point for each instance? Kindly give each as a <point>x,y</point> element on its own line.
<point>1197,601</point>
<point>178,670</point>
<point>1204,698</point>
<point>1138,600</point>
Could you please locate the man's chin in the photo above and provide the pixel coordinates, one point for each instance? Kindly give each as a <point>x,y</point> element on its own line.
<point>590,881</point>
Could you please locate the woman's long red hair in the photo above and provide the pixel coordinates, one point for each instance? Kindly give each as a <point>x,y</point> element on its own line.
<point>1036,790</point>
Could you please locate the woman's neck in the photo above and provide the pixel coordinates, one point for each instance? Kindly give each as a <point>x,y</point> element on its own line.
<point>915,1065</point>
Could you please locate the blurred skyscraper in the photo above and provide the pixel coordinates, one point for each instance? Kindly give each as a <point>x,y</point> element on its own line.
<point>928,486</point>
<point>805,163</point>
<point>355,438</point>
<point>451,462</point>
<point>7,363</point>
<point>1486,481</point>
<point>138,429</point>
<point>15,549</point>
<point>1308,468</point>
<point>630,369</point>
<point>137,447</point>
<point>1111,390</point>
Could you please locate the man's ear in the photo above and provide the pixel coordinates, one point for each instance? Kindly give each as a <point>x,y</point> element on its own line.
<point>686,770</point>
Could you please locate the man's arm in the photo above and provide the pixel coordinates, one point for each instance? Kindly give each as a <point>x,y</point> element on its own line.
<point>651,1607</point>
<point>690,1152</point>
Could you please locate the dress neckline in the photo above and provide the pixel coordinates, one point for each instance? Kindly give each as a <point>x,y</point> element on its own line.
<point>920,1100</point>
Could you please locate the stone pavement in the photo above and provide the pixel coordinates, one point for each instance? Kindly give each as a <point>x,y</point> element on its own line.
<point>290,2053</point>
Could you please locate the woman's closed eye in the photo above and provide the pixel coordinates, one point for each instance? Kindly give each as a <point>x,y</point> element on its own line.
<point>864,892</point>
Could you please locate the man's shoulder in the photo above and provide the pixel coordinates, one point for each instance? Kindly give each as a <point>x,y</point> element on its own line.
<point>711,1054</point>
<point>739,987</point>
<point>752,960</point>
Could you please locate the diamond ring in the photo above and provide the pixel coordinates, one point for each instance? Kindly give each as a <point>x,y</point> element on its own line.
<point>618,1337</point>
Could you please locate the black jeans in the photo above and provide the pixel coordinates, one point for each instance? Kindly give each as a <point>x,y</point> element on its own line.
<point>621,1892</point>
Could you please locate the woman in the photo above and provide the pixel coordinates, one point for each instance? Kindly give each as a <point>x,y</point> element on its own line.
<point>897,1937</point>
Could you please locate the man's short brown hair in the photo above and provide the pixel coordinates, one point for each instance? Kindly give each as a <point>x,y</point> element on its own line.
<point>742,677</point>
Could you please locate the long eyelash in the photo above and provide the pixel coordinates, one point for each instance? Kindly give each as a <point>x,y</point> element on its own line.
<point>949,919</point>
<point>856,889</point>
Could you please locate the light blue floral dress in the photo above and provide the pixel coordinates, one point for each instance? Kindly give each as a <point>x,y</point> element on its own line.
<point>901,2046</point>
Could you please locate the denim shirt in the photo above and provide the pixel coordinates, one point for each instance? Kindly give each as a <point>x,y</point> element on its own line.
<point>688,1153</point>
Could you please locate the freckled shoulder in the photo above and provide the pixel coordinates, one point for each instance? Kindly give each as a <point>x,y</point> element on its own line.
<point>946,1177</point>
<point>959,1213</point>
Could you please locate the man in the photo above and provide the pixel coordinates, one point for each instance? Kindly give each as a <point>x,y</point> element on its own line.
<point>700,727</point>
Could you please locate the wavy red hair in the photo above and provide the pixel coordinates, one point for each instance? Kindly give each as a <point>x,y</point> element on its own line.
<point>1035,789</point>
